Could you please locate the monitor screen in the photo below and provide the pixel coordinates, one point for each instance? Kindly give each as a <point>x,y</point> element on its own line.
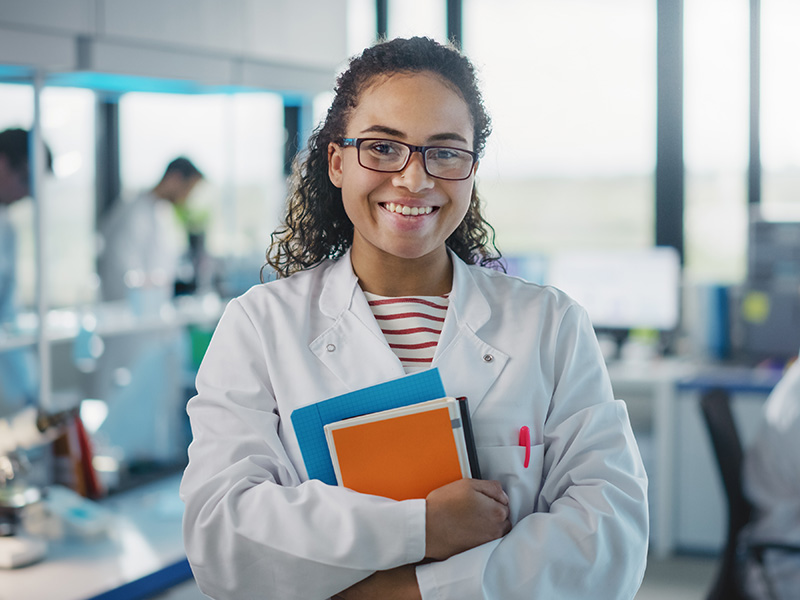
<point>622,289</point>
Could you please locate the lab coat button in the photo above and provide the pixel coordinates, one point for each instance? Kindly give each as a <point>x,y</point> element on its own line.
<point>488,358</point>
<point>330,347</point>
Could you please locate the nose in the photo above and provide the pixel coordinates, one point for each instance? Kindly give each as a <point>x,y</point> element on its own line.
<point>414,177</point>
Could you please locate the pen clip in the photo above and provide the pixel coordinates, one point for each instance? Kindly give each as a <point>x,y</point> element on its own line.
<point>525,440</point>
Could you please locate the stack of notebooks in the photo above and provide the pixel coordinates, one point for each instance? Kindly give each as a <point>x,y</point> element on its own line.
<point>400,439</point>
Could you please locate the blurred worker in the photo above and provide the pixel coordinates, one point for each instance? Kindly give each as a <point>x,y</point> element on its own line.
<point>138,374</point>
<point>139,245</point>
<point>18,381</point>
<point>772,484</point>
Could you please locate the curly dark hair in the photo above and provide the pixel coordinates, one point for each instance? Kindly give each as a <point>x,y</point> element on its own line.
<point>315,226</point>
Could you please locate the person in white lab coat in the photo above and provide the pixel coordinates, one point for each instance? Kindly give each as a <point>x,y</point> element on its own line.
<point>140,246</point>
<point>138,263</point>
<point>771,477</point>
<point>375,215</point>
<point>18,377</point>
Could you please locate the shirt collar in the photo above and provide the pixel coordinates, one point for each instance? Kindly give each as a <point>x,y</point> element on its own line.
<point>466,299</point>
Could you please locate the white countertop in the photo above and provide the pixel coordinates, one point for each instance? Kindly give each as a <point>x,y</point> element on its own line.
<point>143,551</point>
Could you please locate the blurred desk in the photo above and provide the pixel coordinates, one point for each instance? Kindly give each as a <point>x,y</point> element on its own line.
<point>142,555</point>
<point>732,379</point>
<point>700,505</point>
<point>683,482</point>
<point>657,380</point>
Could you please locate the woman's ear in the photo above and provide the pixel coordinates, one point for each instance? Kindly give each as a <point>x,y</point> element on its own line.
<point>335,164</point>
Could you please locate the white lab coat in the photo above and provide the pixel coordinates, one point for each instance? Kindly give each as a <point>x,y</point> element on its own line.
<point>772,483</point>
<point>142,236</point>
<point>255,527</point>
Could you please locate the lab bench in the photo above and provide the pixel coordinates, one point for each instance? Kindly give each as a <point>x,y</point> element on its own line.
<point>687,503</point>
<point>111,319</point>
<point>141,554</point>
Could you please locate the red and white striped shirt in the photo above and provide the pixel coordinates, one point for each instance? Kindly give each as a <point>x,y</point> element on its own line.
<point>412,326</point>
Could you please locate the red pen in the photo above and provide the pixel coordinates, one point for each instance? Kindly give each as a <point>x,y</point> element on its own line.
<point>525,440</point>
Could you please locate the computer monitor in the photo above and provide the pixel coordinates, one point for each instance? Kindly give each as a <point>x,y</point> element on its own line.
<point>622,289</point>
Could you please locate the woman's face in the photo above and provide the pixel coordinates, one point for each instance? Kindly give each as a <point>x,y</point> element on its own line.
<point>418,109</point>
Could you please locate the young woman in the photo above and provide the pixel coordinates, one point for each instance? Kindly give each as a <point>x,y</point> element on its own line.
<point>384,213</point>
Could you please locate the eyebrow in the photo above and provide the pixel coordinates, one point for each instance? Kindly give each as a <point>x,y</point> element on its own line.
<point>438,137</point>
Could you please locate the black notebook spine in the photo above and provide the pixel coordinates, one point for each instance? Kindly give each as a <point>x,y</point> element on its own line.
<point>472,452</point>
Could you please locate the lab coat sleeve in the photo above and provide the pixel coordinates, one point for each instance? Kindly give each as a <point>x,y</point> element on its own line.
<point>587,537</point>
<point>252,529</point>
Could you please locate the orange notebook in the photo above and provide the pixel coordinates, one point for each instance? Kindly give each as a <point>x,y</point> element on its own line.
<point>401,453</point>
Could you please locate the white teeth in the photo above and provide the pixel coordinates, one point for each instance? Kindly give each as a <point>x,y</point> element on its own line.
<point>408,210</point>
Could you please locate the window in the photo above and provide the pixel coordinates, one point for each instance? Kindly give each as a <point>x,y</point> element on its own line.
<point>68,120</point>
<point>409,18</point>
<point>361,25</point>
<point>780,97</point>
<point>570,86</point>
<point>716,117</point>
<point>17,103</point>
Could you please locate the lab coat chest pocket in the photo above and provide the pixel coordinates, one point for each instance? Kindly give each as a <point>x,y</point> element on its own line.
<point>506,464</point>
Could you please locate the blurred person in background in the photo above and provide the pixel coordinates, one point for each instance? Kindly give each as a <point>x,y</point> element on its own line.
<point>18,381</point>
<point>139,243</point>
<point>142,241</point>
<point>772,484</point>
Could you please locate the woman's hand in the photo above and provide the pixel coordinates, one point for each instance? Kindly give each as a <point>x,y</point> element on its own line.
<point>464,514</point>
<point>394,584</point>
<point>458,516</point>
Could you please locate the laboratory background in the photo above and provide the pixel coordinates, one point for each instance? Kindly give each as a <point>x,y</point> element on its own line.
<point>645,158</point>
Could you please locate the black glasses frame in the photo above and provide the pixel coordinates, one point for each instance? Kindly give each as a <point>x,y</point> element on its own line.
<point>356,143</point>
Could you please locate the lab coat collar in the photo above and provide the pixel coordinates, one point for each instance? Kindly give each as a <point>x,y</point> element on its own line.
<point>355,349</point>
<point>469,365</point>
<point>339,287</point>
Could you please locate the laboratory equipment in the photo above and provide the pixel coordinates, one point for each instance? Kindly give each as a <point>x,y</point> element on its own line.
<point>22,431</point>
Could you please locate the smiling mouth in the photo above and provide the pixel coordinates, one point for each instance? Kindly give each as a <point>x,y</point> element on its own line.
<point>413,211</point>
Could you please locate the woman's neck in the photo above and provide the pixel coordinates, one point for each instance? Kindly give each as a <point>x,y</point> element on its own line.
<point>387,275</point>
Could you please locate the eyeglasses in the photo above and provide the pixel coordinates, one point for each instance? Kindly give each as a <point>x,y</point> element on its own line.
<point>391,156</point>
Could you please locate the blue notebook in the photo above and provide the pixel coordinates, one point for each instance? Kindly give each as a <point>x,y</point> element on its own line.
<point>309,421</point>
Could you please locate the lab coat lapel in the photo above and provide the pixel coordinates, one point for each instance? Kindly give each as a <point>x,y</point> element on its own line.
<point>468,365</point>
<point>353,347</point>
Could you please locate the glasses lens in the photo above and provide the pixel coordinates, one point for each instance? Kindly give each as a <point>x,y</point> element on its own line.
<point>382,155</point>
<point>448,163</point>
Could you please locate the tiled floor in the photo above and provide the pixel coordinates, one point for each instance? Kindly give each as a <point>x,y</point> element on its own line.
<point>676,578</point>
